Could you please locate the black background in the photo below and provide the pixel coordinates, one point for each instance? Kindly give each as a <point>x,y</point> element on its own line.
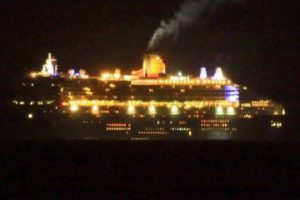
<point>255,41</point>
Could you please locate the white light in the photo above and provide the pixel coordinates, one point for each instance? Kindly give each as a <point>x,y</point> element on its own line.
<point>30,116</point>
<point>218,74</point>
<point>74,107</point>
<point>131,110</point>
<point>71,72</point>
<point>203,73</point>
<point>152,110</point>
<point>230,111</point>
<point>50,67</point>
<point>276,124</point>
<point>174,110</point>
<point>219,110</point>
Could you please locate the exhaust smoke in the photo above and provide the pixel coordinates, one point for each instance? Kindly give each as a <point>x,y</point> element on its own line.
<point>189,11</point>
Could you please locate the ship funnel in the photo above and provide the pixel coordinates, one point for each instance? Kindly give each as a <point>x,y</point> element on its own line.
<point>203,73</point>
<point>153,66</point>
<point>218,74</point>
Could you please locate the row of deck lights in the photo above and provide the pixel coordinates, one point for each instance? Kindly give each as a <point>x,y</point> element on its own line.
<point>131,110</point>
<point>174,110</point>
<point>221,111</point>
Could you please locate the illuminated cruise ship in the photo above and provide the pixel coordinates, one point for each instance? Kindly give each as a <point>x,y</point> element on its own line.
<point>144,104</point>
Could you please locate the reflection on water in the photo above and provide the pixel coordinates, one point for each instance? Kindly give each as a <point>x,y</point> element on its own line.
<point>150,128</point>
<point>217,135</point>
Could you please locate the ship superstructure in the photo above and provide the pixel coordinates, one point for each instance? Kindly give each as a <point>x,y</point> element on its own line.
<point>147,102</point>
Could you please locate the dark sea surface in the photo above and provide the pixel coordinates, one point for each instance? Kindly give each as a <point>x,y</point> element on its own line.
<point>155,169</point>
<point>247,166</point>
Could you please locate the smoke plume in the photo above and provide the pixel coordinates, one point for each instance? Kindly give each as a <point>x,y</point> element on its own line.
<point>189,11</point>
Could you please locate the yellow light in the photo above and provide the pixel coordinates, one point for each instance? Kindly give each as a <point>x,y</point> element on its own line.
<point>174,110</point>
<point>112,85</point>
<point>33,74</point>
<point>105,76</point>
<point>74,107</point>
<point>131,110</point>
<point>248,116</point>
<point>117,76</point>
<point>29,115</point>
<point>219,110</point>
<point>275,124</point>
<point>95,110</point>
<point>230,111</point>
<point>127,77</point>
<point>283,112</point>
<point>152,110</point>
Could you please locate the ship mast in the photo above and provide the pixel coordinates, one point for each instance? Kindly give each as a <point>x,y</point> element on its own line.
<point>50,66</point>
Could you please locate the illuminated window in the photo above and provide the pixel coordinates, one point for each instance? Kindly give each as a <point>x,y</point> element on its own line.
<point>95,110</point>
<point>112,85</point>
<point>174,110</point>
<point>131,110</point>
<point>219,110</point>
<point>152,110</point>
<point>230,111</point>
<point>74,107</point>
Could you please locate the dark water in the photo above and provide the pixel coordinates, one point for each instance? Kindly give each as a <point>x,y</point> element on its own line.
<point>246,165</point>
<point>149,169</point>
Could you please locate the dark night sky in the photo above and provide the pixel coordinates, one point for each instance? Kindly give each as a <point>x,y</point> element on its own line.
<point>256,41</point>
